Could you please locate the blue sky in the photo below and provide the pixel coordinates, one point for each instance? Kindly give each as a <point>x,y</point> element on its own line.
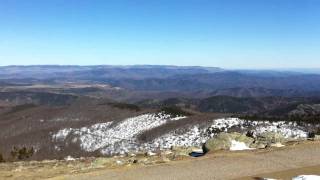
<point>224,33</point>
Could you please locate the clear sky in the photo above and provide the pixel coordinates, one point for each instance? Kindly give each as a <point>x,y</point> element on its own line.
<point>224,33</point>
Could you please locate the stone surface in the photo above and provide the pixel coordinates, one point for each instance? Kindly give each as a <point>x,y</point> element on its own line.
<point>183,151</point>
<point>223,141</point>
<point>270,138</point>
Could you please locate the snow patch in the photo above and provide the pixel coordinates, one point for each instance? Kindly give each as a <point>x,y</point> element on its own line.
<point>307,177</point>
<point>178,118</point>
<point>62,134</point>
<point>238,146</point>
<point>69,158</point>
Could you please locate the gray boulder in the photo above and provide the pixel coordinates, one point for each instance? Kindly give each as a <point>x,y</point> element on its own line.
<point>183,151</point>
<point>223,141</point>
<point>268,138</point>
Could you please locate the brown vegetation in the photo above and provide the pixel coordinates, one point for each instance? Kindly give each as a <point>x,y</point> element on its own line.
<point>33,126</point>
<point>1,158</point>
<point>126,106</point>
<point>22,153</point>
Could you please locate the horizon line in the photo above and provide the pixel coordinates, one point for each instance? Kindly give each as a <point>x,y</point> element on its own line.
<point>168,65</point>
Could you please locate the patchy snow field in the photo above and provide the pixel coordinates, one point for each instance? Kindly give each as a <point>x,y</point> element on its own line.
<point>114,139</point>
<point>119,138</point>
<point>287,129</point>
<point>196,136</point>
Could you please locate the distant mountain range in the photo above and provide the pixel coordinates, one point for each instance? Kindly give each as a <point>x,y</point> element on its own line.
<point>39,101</point>
<point>96,72</point>
<point>187,80</point>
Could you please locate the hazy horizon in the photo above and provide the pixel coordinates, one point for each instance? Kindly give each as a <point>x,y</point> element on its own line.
<point>229,34</point>
<point>277,69</point>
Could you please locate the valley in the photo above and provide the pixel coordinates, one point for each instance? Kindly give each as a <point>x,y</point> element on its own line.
<point>54,119</point>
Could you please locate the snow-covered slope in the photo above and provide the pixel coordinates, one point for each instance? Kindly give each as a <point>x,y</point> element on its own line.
<point>118,138</point>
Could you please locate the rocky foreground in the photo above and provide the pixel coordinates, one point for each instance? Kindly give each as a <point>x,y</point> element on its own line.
<point>268,163</point>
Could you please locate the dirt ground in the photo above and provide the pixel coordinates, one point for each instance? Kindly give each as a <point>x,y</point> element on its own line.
<point>282,163</point>
<point>287,174</point>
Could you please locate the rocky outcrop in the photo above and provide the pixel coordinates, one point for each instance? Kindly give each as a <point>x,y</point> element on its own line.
<point>184,151</point>
<point>220,142</point>
<point>269,139</point>
<point>226,141</point>
<point>223,141</point>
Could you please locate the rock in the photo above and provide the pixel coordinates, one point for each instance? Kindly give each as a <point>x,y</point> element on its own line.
<point>183,151</point>
<point>270,138</point>
<point>223,141</point>
<point>243,138</point>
